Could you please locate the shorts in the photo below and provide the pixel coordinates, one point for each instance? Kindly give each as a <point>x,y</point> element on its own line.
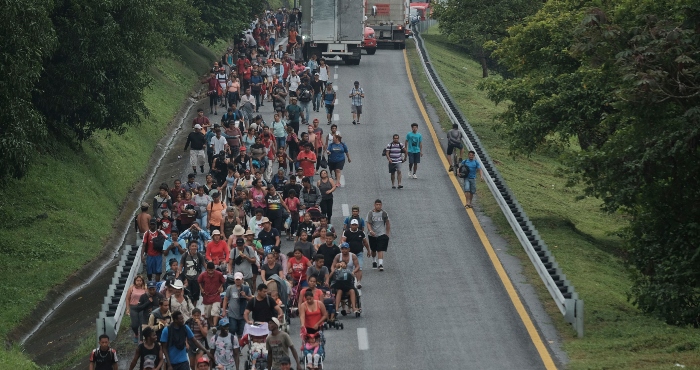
<point>154,264</point>
<point>329,109</point>
<point>469,185</point>
<point>332,166</point>
<point>344,286</point>
<point>413,158</point>
<point>213,309</point>
<point>393,167</point>
<point>197,158</point>
<point>181,366</point>
<point>360,259</point>
<point>451,147</point>
<point>356,109</point>
<point>378,243</point>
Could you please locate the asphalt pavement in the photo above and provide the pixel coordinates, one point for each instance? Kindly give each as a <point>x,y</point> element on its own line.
<point>439,303</point>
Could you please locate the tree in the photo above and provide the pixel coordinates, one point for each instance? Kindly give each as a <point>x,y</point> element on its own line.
<point>552,96</point>
<point>477,22</point>
<point>225,19</point>
<point>649,167</point>
<point>23,50</point>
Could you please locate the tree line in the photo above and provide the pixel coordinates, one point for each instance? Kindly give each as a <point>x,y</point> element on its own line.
<point>70,68</point>
<point>615,85</point>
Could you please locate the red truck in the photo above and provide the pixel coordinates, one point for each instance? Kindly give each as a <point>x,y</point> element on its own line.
<point>369,43</point>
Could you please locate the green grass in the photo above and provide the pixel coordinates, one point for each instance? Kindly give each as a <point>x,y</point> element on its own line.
<point>57,219</point>
<point>582,238</point>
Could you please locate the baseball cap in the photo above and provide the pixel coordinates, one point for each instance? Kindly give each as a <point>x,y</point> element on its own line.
<point>344,245</point>
<point>354,222</point>
<point>151,284</point>
<point>240,241</point>
<point>216,232</point>
<point>223,322</point>
<point>153,222</point>
<point>238,276</point>
<point>275,320</point>
<point>198,126</point>
<point>285,360</point>
<point>264,220</point>
<point>203,359</point>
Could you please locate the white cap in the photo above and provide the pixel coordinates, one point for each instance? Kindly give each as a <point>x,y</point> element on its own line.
<point>354,222</point>
<point>198,126</point>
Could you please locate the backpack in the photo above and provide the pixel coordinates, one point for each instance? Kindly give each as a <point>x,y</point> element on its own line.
<point>463,170</point>
<point>158,241</point>
<point>305,95</point>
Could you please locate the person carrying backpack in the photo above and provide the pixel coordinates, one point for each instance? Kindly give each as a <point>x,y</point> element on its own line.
<point>379,228</point>
<point>153,241</point>
<point>305,93</point>
<point>467,170</point>
<point>191,266</point>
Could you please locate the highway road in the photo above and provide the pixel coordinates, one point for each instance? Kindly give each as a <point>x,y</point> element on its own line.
<point>439,303</point>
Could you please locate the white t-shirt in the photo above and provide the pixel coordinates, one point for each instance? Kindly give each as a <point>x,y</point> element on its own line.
<point>294,82</point>
<point>218,144</point>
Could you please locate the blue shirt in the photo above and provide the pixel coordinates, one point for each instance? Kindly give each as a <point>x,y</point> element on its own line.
<point>186,235</point>
<point>174,253</point>
<point>473,166</point>
<point>414,141</point>
<point>337,152</point>
<point>177,356</point>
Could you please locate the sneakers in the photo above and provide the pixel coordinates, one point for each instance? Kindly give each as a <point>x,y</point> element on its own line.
<point>358,122</point>
<point>381,267</point>
<point>354,123</point>
<point>451,168</point>
<point>359,285</point>
<point>414,176</point>
<point>374,265</point>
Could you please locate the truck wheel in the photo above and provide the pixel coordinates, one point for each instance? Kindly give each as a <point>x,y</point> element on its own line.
<point>371,51</point>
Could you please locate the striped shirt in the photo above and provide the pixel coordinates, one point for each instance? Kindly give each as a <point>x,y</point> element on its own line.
<point>395,150</point>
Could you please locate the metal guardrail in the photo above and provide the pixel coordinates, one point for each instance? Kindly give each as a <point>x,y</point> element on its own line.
<point>561,290</point>
<point>110,317</point>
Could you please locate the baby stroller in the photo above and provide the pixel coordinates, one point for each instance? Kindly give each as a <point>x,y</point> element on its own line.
<point>329,302</point>
<point>312,350</point>
<point>254,337</point>
<point>279,285</point>
<point>336,283</point>
<point>315,213</point>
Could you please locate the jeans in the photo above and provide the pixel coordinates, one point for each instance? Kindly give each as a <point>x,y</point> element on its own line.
<point>305,109</point>
<point>202,220</point>
<point>235,326</point>
<point>317,101</point>
<point>258,99</point>
<point>281,141</point>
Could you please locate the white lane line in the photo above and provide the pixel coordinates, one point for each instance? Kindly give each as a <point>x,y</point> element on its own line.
<point>346,208</point>
<point>336,117</point>
<point>335,87</point>
<point>362,341</point>
<point>342,182</point>
<point>335,76</point>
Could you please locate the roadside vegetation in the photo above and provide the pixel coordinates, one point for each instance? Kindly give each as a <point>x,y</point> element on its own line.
<point>584,239</point>
<point>57,218</point>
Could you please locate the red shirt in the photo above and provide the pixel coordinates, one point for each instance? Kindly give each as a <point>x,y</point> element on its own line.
<point>298,268</point>
<point>292,203</point>
<point>148,242</point>
<point>241,65</point>
<point>210,286</point>
<point>308,167</point>
<point>217,251</point>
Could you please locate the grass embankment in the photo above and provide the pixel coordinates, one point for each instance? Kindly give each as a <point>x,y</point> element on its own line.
<point>57,219</point>
<point>618,335</point>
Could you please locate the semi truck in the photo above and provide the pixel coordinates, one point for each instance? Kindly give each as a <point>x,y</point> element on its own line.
<point>333,29</point>
<point>389,19</point>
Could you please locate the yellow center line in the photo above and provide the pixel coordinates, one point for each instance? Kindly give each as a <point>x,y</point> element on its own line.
<point>522,312</point>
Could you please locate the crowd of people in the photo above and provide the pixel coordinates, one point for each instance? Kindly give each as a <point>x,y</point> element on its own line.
<point>214,267</point>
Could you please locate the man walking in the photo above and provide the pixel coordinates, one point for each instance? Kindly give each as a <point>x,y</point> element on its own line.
<point>395,154</point>
<point>356,94</point>
<point>196,141</point>
<point>294,113</point>
<point>414,144</point>
<point>379,228</point>
<point>454,141</point>
<point>469,186</point>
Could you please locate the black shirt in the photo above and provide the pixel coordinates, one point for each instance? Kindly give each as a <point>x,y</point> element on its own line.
<point>329,254</point>
<point>149,354</point>
<point>317,86</point>
<point>262,311</point>
<point>275,270</point>
<point>355,240</point>
<point>288,187</point>
<point>306,226</point>
<point>196,139</point>
<point>241,162</point>
<point>268,237</point>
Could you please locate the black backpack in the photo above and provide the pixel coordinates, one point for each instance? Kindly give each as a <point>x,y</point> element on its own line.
<point>158,242</point>
<point>463,170</point>
<point>305,95</point>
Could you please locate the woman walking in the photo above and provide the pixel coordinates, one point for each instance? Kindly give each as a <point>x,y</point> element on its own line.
<point>327,186</point>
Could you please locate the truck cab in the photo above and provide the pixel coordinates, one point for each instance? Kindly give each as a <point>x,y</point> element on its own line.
<point>369,43</point>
